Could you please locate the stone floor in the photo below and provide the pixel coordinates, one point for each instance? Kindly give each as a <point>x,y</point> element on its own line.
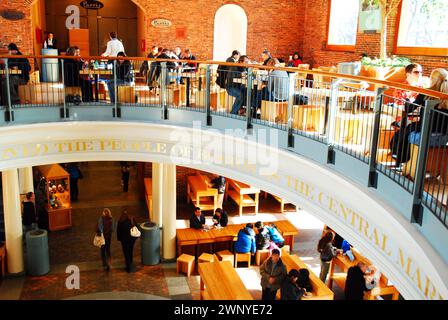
<point>101,188</point>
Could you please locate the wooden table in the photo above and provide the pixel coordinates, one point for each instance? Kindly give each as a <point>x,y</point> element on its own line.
<point>188,76</point>
<point>219,281</point>
<point>344,263</point>
<point>198,189</point>
<point>320,290</point>
<point>194,237</point>
<point>95,73</point>
<point>240,192</point>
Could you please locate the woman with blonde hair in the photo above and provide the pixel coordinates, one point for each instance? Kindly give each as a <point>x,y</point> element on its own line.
<point>106,225</point>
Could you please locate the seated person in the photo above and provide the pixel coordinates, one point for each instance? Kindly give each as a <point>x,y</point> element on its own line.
<point>197,220</point>
<point>295,60</point>
<point>246,240</point>
<point>72,78</point>
<point>220,218</point>
<point>372,277</point>
<point>347,250</point>
<point>355,285</point>
<point>275,235</point>
<point>413,78</point>
<point>191,66</point>
<point>303,280</point>
<point>262,239</point>
<point>289,289</point>
<point>277,87</point>
<point>124,75</point>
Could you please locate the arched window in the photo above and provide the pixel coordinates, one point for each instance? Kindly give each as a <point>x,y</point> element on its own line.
<point>230,31</point>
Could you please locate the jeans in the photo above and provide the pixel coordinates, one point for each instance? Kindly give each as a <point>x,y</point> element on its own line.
<point>111,88</point>
<point>239,98</point>
<point>105,251</point>
<point>128,249</point>
<point>324,268</point>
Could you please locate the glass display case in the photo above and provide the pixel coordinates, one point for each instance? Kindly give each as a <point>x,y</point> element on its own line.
<point>58,203</point>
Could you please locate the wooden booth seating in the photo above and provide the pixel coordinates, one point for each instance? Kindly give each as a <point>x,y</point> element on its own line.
<point>282,203</point>
<point>274,111</point>
<point>217,96</point>
<point>73,91</point>
<point>436,163</point>
<point>308,117</point>
<point>320,290</point>
<point>240,192</point>
<point>200,194</point>
<point>323,81</point>
<point>226,102</point>
<point>261,256</point>
<point>3,258</point>
<point>344,263</point>
<point>41,93</point>
<point>185,264</point>
<point>242,257</point>
<point>226,255</point>
<point>148,195</point>
<point>177,95</point>
<point>126,94</point>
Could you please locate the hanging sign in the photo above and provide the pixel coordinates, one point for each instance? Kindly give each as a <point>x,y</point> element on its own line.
<point>89,4</point>
<point>161,23</point>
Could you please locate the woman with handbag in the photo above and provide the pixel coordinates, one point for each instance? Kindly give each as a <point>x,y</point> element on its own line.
<point>105,227</point>
<point>127,237</point>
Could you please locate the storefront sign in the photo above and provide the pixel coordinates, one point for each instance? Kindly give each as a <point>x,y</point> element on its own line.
<point>161,23</point>
<point>89,4</point>
<point>12,14</point>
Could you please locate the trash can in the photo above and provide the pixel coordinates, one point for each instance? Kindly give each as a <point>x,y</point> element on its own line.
<point>50,67</point>
<point>37,256</point>
<point>150,244</point>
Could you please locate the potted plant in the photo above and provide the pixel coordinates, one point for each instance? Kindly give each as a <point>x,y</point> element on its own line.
<point>391,69</point>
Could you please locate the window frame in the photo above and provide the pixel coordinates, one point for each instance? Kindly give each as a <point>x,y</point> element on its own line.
<point>416,51</point>
<point>339,47</point>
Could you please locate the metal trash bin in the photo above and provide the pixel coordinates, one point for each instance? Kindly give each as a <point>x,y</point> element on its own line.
<point>50,67</point>
<point>150,243</point>
<point>37,254</point>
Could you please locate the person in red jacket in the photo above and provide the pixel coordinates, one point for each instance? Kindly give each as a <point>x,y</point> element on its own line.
<point>295,60</point>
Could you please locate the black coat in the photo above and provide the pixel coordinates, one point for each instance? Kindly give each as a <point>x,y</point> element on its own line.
<point>195,223</point>
<point>355,285</point>
<point>289,291</point>
<point>72,77</point>
<point>224,220</point>
<point>124,71</point>
<point>219,183</point>
<point>29,213</point>
<point>262,239</point>
<point>23,65</point>
<point>124,231</point>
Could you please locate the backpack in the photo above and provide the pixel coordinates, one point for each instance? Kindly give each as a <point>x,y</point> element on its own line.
<point>327,253</point>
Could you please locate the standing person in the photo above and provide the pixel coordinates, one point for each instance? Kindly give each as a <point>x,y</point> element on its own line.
<point>245,241</point>
<point>75,175</point>
<point>29,218</point>
<point>125,176</point>
<point>220,184</point>
<point>262,239</point>
<point>220,218</point>
<point>273,272</point>
<point>327,253</point>
<point>125,76</point>
<point>197,220</point>
<point>106,226</point>
<point>355,285</point>
<point>114,46</point>
<point>50,42</point>
<point>124,226</point>
<point>146,69</point>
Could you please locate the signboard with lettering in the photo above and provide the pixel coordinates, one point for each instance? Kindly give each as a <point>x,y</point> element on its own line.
<point>12,14</point>
<point>161,23</point>
<point>89,4</point>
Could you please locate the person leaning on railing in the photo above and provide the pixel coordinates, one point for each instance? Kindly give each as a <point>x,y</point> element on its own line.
<point>72,78</point>
<point>124,75</point>
<point>439,121</point>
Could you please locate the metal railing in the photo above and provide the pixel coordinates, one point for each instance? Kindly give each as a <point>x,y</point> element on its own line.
<point>404,141</point>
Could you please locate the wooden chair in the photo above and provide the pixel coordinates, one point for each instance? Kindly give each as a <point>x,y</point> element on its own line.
<point>274,111</point>
<point>261,256</point>
<point>185,263</point>
<point>242,257</point>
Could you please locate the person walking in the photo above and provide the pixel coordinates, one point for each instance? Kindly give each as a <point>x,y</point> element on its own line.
<point>125,171</point>
<point>29,218</point>
<point>219,183</point>
<point>327,253</point>
<point>124,226</point>
<point>273,273</point>
<point>106,226</point>
<point>75,175</point>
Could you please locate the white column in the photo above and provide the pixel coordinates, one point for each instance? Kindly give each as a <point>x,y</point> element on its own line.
<point>169,212</point>
<point>26,180</point>
<point>157,192</point>
<point>13,221</point>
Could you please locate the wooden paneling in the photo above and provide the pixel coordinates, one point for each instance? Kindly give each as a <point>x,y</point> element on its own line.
<point>80,38</point>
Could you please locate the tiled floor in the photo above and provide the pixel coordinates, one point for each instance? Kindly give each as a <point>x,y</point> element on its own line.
<point>74,246</point>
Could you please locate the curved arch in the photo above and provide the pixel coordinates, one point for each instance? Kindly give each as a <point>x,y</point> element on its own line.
<point>230,31</point>
<point>380,232</point>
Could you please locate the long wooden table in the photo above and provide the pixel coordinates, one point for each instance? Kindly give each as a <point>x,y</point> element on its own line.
<point>219,281</point>
<point>199,192</point>
<point>194,237</point>
<point>240,192</point>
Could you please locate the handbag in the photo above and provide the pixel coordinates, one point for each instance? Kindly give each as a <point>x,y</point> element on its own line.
<point>135,232</point>
<point>98,240</point>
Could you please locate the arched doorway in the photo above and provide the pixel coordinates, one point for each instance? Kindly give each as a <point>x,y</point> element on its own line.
<point>230,31</point>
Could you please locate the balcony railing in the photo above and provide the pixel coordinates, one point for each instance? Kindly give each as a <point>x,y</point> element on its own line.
<point>334,109</point>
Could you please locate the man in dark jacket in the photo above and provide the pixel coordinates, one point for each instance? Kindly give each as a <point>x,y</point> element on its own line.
<point>170,66</point>
<point>124,226</point>
<point>355,285</point>
<point>273,272</point>
<point>220,218</point>
<point>197,220</point>
<point>262,239</point>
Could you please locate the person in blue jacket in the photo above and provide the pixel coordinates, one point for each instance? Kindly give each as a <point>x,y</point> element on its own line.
<point>275,235</point>
<point>246,240</point>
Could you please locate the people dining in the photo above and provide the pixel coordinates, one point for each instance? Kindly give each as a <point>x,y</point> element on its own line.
<point>266,56</point>
<point>114,46</point>
<point>197,220</point>
<point>414,74</point>
<point>220,218</point>
<point>225,77</point>
<point>246,240</point>
<point>262,239</point>
<point>190,66</point>
<point>124,75</point>
<point>275,235</point>
<point>295,60</point>
<point>170,66</point>
<point>72,78</point>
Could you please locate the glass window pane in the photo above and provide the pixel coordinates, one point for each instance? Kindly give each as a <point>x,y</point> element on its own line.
<point>343,22</point>
<point>423,23</point>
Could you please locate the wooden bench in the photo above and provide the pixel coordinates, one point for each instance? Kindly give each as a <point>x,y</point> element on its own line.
<point>200,194</point>
<point>274,111</point>
<point>308,117</point>
<point>436,163</point>
<point>226,255</point>
<point>148,195</point>
<point>126,94</point>
<point>240,192</point>
<point>344,263</point>
<point>320,290</point>
<point>281,200</point>
<point>217,96</point>
<point>261,256</point>
<point>177,95</point>
<point>243,257</point>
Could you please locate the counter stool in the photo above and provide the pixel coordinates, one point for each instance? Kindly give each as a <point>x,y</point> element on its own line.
<point>242,257</point>
<point>206,257</point>
<point>185,263</point>
<point>261,255</point>
<point>226,255</point>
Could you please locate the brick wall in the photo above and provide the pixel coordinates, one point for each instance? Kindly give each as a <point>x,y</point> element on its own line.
<point>19,31</point>
<point>314,40</point>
